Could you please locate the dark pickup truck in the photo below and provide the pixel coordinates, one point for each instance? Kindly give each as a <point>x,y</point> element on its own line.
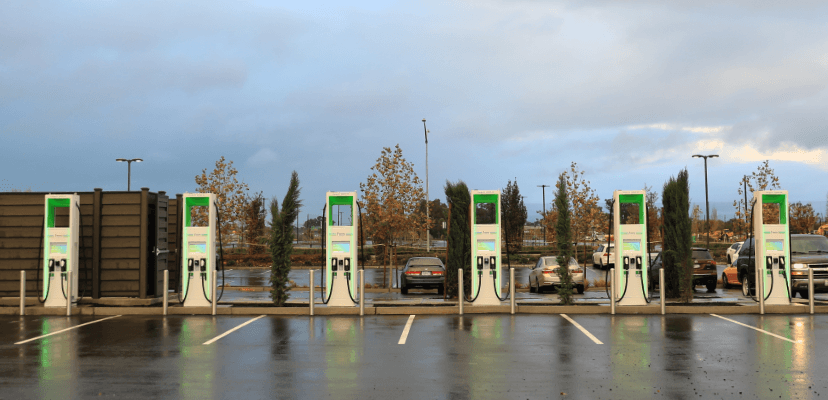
<point>807,251</point>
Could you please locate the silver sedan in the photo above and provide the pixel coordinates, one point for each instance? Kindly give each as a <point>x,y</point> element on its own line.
<point>544,275</point>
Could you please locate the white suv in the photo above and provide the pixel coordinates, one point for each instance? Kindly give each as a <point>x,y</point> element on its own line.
<point>599,258</point>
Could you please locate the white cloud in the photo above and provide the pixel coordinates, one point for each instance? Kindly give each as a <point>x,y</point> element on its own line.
<point>785,152</point>
<point>673,127</point>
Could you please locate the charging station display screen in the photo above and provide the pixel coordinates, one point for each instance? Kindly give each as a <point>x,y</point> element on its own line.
<point>632,245</point>
<point>485,245</point>
<point>197,248</point>
<point>57,248</point>
<point>341,247</point>
<point>774,245</point>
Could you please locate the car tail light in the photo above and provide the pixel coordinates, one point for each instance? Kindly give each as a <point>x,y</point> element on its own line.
<point>548,272</point>
<point>798,273</point>
<point>577,271</point>
<point>436,272</point>
<point>412,272</point>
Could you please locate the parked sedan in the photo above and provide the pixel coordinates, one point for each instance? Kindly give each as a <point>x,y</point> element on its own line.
<point>423,272</point>
<point>704,269</point>
<point>544,274</point>
<point>730,276</point>
<point>604,257</point>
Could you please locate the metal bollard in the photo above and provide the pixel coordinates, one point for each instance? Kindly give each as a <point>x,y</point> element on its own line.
<point>68,293</point>
<point>311,292</point>
<point>661,291</point>
<point>612,291</point>
<point>811,291</point>
<point>760,290</point>
<point>23,293</point>
<point>166,290</point>
<point>213,289</point>
<point>460,295</point>
<point>361,292</point>
<point>512,288</point>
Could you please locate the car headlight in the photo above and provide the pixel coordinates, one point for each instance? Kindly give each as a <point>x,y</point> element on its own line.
<point>800,266</point>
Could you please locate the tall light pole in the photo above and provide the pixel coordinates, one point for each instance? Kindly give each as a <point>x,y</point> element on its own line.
<point>129,167</point>
<point>428,218</point>
<point>706,202</point>
<point>543,188</point>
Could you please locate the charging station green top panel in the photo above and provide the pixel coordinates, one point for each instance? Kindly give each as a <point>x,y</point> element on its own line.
<point>777,199</point>
<point>52,204</point>
<point>191,202</point>
<point>338,201</point>
<point>487,199</point>
<point>634,199</point>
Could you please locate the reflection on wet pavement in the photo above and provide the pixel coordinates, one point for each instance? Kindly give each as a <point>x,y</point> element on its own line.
<point>473,356</point>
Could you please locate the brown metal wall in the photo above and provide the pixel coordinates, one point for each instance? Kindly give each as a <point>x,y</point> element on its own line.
<point>115,252</point>
<point>21,221</point>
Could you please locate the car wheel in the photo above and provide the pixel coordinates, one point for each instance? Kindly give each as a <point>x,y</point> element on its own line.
<point>725,284</point>
<point>580,289</point>
<point>403,289</point>
<point>601,265</point>
<point>531,288</point>
<point>440,290</point>
<point>745,287</point>
<point>804,293</point>
<point>711,285</point>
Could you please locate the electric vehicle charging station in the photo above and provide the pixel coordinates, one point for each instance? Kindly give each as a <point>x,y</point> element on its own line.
<point>631,258</point>
<point>61,250</point>
<point>772,246</point>
<point>485,249</point>
<point>341,250</point>
<point>198,252</point>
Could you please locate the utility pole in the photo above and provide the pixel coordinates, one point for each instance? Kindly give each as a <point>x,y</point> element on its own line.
<point>428,199</point>
<point>543,188</point>
<point>706,202</point>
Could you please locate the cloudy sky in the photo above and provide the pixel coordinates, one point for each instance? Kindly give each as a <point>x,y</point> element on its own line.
<point>510,90</point>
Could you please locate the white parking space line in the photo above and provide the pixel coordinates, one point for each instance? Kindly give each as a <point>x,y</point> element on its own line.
<point>67,329</point>
<point>406,329</point>
<point>754,328</point>
<point>211,341</point>
<point>586,332</point>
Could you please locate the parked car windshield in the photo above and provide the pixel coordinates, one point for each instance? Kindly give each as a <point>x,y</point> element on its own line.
<point>809,244</point>
<point>702,255</point>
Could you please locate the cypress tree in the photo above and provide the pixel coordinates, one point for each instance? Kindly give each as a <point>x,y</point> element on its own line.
<point>563,232</point>
<point>459,237</point>
<point>281,240</point>
<point>677,250</point>
<point>513,216</point>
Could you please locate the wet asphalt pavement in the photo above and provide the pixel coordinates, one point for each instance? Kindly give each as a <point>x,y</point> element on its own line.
<point>443,357</point>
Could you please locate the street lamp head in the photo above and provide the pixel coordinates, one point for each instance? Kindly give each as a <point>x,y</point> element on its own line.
<point>697,155</point>
<point>713,155</point>
<point>120,159</point>
<point>423,119</point>
<point>137,159</point>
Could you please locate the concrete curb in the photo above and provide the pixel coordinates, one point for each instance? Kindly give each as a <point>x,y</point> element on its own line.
<point>418,310</point>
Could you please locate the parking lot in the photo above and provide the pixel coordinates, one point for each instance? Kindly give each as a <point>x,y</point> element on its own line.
<point>252,278</point>
<point>480,356</point>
